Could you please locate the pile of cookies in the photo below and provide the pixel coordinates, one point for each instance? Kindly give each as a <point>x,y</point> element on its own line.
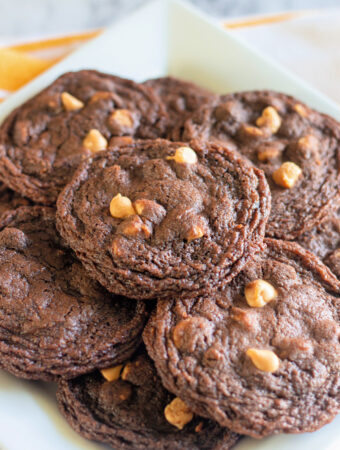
<point>171,258</point>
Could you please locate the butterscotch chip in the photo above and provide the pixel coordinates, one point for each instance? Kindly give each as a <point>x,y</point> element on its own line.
<point>150,209</point>
<point>300,109</point>
<point>309,142</point>
<point>267,154</point>
<point>122,117</point>
<point>95,141</point>
<point>121,207</point>
<point>178,413</point>
<point>259,292</point>
<point>112,373</point>
<point>252,131</point>
<point>142,205</point>
<point>70,102</point>
<point>287,175</point>
<point>184,155</point>
<point>264,360</point>
<point>126,371</point>
<point>196,232</point>
<point>135,227</point>
<point>132,228</point>
<point>146,230</point>
<point>269,119</point>
<point>101,95</point>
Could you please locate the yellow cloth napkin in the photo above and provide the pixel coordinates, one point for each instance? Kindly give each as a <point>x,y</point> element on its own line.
<point>19,64</point>
<point>17,68</point>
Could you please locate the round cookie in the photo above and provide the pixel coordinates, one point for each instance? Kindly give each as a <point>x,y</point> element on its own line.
<point>192,217</point>
<point>43,141</point>
<point>129,413</point>
<point>181,98</point>
<point>261,357</point>
<point>10,200</point>
<point>55,321</point>
<point>273,131</point>
<point>324,241</point>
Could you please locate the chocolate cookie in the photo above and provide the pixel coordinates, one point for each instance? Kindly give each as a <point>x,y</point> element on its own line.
<point>54,320</point>
<point>157,218</point>
<point>181,98</point>
<point>261,357</point>
<point>44,140</point>
<point>133,412</point>
<point>10,200</point>
<point>296,147</point>
<point>324,241</point>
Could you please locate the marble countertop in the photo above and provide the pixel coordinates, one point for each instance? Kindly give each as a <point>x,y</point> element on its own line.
<point>32,18</point>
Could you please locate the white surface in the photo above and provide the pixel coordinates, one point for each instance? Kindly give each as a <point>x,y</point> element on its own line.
<point>308,46</point>
<point>155,40</point>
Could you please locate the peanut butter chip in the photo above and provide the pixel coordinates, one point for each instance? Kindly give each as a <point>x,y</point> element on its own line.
<point>195,232</point>
<point>177,413</point>
<point>121,207</point>
<point>71,103</point>
<point>259,292</point>
<point>122,117</point>
<point>269,119</point>
<point>112,373</point>
<point>184,155</point>
<point>287,175</point>
<point>264,360</point>
<point>95,141</point>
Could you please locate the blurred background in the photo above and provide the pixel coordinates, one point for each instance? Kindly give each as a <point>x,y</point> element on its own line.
<point>31,18</point>
<point>306,42</point>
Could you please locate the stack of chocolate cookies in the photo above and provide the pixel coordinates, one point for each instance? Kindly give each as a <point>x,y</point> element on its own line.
<point>171,258</point>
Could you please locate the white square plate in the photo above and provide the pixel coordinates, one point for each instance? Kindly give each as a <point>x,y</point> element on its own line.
<point>163,37</point>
